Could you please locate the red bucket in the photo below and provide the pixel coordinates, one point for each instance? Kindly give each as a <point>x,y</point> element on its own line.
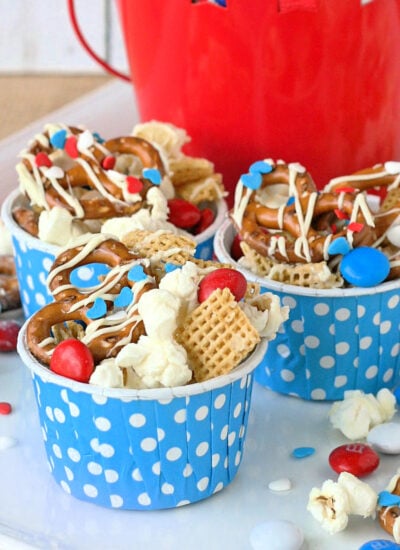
<point>314,81</point>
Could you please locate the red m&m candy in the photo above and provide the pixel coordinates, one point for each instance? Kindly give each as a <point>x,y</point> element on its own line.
<point>223,278</point>
<point>356,458</point>
<point>183,214</point>
<point>73,359</point>
<point>206,219</point>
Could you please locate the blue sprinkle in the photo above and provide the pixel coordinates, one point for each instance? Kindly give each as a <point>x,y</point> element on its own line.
<point>153,175</point>
<point>260,166</point>
<point>290,201</point>
<point>98,309</point>
<point>388,499</point>
<point>339,246</point>
<point>303,452</point>
<point>379,544</point>
<point>171,267</point>
<point>137,274</point>
<point>58,139</point>
<point>124,298</point>
<point>98,137</point>
<point>251,180</point>
<point>86,276</point>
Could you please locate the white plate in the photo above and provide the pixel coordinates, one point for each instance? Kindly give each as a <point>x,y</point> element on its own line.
<point>34,510</point>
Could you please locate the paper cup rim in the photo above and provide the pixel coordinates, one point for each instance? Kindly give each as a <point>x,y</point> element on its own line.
<point>224,257</point>
<point>222,210</point>
<point>247,366</point>
<point>15,198</point>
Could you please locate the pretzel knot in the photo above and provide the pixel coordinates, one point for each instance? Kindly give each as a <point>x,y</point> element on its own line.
<point>74,169</point>
<point>287,219</point>
<point>389,515</point>
<point>384,181</point>
<point>106,312</point>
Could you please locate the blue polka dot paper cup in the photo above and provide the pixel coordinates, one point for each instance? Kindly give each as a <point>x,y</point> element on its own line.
<point>34,257</point>
<point>334,340</point>
<point>143,449</point>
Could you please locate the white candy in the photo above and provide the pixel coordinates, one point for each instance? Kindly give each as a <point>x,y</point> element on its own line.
<point>6,442</point>
<point>276,535</point>
<point>392,167</point>
<point>54,172</point>
<point>385,438</point>
<point>85,140</point>
<point>393,235</point>
<point>278,485</point>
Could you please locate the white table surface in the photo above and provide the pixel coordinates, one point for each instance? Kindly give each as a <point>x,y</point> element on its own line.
<point>36,513</point>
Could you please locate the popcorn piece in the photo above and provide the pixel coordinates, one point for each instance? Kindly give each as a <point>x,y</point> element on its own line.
<point>153,219</point>
<point>156,358</point>
<point>107,374</point>
<point>359,412</point>
<point>335,501</point>
<point>330,506</point>
<point>58,226</point>
<point>166,136</point>
<point>362,498</point>
<point>265,314</point>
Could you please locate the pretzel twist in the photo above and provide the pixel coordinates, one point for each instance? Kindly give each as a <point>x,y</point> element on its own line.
<point>301,228</point>
<point>9,288</point>
<point>385,180</point>
<point>104,336</point>
<point>86,188</point>
<point>389,516</point>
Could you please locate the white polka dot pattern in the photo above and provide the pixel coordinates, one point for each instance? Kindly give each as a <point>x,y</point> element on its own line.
<point>333,344</point>
<point>32,266</point>
<point>137,454</point>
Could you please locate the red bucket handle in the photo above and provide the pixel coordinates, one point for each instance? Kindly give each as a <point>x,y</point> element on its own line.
<point>87,47</point>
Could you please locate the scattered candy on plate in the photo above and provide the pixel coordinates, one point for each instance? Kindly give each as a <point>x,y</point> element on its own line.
<point>276,534</point>
<point>5,408</point>
<point>280,485</point>
<point>303,452</point>
<point>385,438</point>
<point>8,335</point>
<point>355,458</point>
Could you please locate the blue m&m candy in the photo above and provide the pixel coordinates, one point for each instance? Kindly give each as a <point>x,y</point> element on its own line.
<point>365,267</point>
<point>380,544</point>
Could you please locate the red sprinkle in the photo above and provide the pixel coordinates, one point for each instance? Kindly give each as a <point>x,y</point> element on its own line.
<point>71,147</point>
<point>355,227</point>
<point>345,190</point>
<point>5,408</point>
<point>42,159</point>
<point>340,214</point>
<point>108,163</point>
<point>134,185</point>
<point>333,228</point>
